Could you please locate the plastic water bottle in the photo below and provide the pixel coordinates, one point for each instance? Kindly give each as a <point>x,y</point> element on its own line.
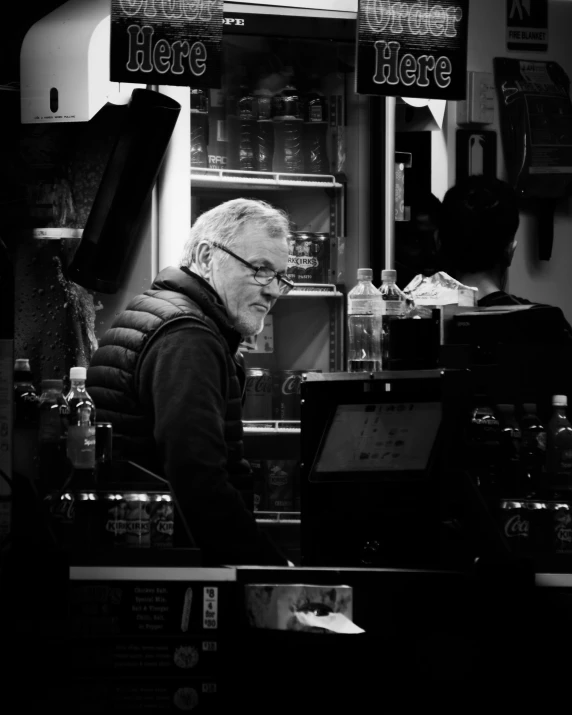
<point>394,306</point>
<point>288,118</point>
<point>81,429</point>
<point>364,324</point>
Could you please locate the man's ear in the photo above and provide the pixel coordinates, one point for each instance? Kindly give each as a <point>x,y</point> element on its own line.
<point>511,248</point>
<point>204,258</point>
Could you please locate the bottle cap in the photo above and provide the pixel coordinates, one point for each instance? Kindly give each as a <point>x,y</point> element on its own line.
<point>52,384</point>
<point>364,274</point>
<point>77,373</point>
<point>22,364</point>
<point>559,400</point>
<point>388,274</point>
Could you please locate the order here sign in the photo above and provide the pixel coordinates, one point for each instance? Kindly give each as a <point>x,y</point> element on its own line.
<point>171,42</point>
<point>412,49</point>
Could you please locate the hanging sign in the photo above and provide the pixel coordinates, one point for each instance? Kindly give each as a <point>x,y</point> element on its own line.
<point>412,49</point>
<point>527,25</point>
<point>172,42</point>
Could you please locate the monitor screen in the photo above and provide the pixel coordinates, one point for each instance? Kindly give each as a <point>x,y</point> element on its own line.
<point>384,437</point>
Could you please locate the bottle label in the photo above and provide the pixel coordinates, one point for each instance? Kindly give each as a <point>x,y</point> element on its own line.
<point>364,306</point>
<point>50,426</point>
<point>392,307</point>
<point>315,114</point>
<point>81,446</point>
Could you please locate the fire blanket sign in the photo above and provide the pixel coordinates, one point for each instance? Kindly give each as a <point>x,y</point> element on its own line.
<point>412,49</point>
<point>527,25</point>
<point>169,42</point>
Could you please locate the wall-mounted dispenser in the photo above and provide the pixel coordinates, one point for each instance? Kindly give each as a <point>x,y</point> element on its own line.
<point>64,65</point>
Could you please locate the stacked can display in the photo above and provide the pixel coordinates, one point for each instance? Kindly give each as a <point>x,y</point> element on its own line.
<point>112,519</point>
<point>310,261</point>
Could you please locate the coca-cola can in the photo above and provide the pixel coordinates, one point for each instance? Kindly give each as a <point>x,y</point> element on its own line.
<point>287,394</point>
<point>258,397</point>
<point>561,527</point>
<point>137,521</point>
<point>521,522</point>
<point>114,523</point>
<point>162,519</point>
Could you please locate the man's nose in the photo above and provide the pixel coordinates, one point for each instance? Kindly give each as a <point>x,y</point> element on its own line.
<point>272,289</point>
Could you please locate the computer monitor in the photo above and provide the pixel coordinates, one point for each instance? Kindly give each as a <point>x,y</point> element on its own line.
<point>381,458</point>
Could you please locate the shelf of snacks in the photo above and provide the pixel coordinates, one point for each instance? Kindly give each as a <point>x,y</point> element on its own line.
<point>237,179</point>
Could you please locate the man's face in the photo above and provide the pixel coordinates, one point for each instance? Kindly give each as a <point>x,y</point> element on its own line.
<point>246,301</point>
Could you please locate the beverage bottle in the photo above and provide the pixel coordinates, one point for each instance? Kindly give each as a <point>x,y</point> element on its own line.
<point>364,324</point>
<point>533,453</point>
<point>53,423</point>
<point>315,132</point>
<point>25,395</point>
<point>559,447</point>
<point>288,118</point>
<point>394,306</point>
<point>25,433</point>
<point>80,441</point>
<point>246,112</point>
<point>264,131</point>
<point>199,129</point>
<point>511,477</point>
<point>484,448</point>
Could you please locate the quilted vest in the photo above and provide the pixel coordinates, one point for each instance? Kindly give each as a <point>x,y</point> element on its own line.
<point>112,377</point>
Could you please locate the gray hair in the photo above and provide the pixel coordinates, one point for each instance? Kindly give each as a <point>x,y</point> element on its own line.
<point>225,222</point>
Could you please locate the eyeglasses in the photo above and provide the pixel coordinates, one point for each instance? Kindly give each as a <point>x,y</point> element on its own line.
<point>262,274</point>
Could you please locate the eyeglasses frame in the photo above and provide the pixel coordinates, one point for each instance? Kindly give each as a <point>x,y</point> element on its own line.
<point>281,278</point>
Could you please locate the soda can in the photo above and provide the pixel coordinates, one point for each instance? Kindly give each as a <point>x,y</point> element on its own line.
<point>561,528</point>
<point>137,522</point>
<point>87,527</point>
<point>162,521</point>
<point>306,259</point>
<point>258,398</point>
<point>287,394</point>
<point>114,522</point>
<point>291,268</point>
<point>258,467</point>
<point>515,524</point>
<point>280,479</point>
<point>322,253</point>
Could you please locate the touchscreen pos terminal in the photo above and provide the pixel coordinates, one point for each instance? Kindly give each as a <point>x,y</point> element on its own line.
<point>380,463</point>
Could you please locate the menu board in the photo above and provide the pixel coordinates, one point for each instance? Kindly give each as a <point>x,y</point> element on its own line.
<point>384,437</point>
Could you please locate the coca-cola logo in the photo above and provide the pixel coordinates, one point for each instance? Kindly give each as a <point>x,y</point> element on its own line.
<point>259,384</point>
<point>564,534</point>
<point>165,527</point>
<point>516,526</point>
<point>291,385</point>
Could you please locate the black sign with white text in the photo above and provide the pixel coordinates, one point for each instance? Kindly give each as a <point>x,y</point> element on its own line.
<point>170,42</point>
<point>412,49</point>
<point>527,25</point>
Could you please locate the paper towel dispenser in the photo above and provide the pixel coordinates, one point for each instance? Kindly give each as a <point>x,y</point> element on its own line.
<point>64,65</point>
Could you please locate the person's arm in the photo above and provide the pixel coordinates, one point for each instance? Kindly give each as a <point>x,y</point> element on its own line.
<point>183,386</point>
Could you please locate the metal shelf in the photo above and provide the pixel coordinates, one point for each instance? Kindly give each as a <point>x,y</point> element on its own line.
<point>314,290</point>
<point>234,179</point>
<point>278,517</point>
<point>271,427</point>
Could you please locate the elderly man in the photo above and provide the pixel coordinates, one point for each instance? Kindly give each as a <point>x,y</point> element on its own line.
<point>169,376</point>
